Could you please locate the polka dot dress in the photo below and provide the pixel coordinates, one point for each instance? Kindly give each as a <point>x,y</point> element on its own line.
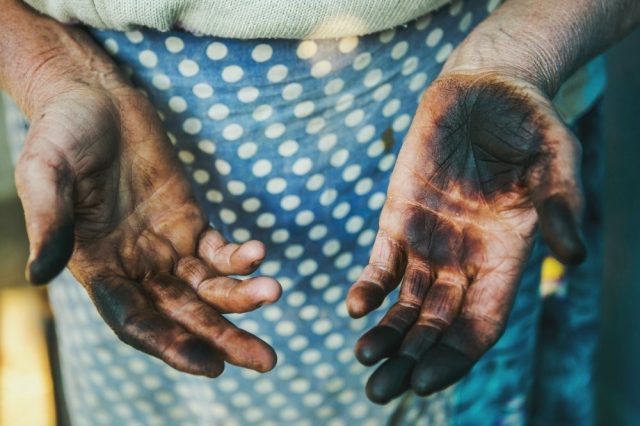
<point>291,143</point>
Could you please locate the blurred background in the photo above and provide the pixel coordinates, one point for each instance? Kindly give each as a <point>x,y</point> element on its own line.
<point>29,391</point>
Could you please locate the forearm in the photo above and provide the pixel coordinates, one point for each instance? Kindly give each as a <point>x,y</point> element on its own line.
<point>545,41</point>
<point>38,56</point>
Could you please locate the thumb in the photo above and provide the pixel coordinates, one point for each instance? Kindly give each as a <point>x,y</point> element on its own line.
<point>45,182</point>
<point>558,198</point>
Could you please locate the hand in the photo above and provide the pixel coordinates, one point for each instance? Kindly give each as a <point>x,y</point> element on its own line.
<point>486,158</point>
<point>103,191</point>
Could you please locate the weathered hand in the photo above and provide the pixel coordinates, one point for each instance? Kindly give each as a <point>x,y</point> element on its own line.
<point>486,158</point>
<point>102,189</point>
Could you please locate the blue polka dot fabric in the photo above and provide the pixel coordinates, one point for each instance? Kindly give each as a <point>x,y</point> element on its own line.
<point>292,143</point>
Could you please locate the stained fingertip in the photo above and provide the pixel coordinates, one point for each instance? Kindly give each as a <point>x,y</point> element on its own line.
<point>438,369</point>
<point>377,343</point>
<point>200,358</point>
<point>53,255</point>
<point>561,231</point>
<point>390,380</point>
<point>363,298</point>
<point>268,362</point>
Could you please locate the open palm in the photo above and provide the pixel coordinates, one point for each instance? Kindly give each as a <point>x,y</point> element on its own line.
<point>103,191</point>
<point>486,159</point>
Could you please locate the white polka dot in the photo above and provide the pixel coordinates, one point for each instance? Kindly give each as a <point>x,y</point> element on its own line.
<point>410,65</point>
<point>373,77</point>
<point>262,112</point>
<point>318,232</point>
<point>387,36</point>
<point>348,44</point>
<point>192,126</point>
<point>134,36</point>
<point>201,176</point>
<point>186,157</point>
<point>251,205</point>
<point>223,167</point>
<point>492,5</point>
<point>248,94</point>
<point>334,341</point>
<point>290,202</point>
<point>365,133</point>
<point>218,112</point>
<point>362,61</point>
<point>249,325</point>
<point>363,186</point>
<point>241,235</point>
<point>275,130</point>
<point>227,216</point>
<point>280,236</point>
<point>300,385</point>
<point>306,49</point>
<point>232,73</point>
<point>465,22</point>
<point>376,201</point>
<point>161,82</point>
<point>216,51</point>
<point>304,218</point>
<point>214,196</point>
<point>304,109</point>
<point>111,46</point>
<point>188,68</point>
<point>327,142</point>
<point>331,247</point>
<point>247,150</point>
<point>277,400</point>
<point>178,104</point>
<point>351,173</point>
<point>302,166</point>
<point>309,312</point>
<point>354,224</point>
<point>354,118</point>
<point>203,90</point>
<point>339,158</point>
<point>294,251</point>
<point>236,187</point>
<point>444,53</point>
<point>344,102</point>
<point>311,356</point>
<point>262,53</point>
<point>328,196</point>
<point>276,185</point>
<point>423,23</point>
<point>334,86</point>
<point>232,132</point>
<point>321,69</point>
<point>288,148</point>
<point>315,182</point>
<point>418,82</point>
<point>277,73</point>
<point>391,107</point>
<point>291,91</point>
<point>354,272</point>
<point>174,44</point>
<point>264,386</point>
<point>341,210</point>
<point>434,37</point>
<point>399,50</point>
<point>307,267</point>
<point>312,400</point>
<point>261,168</point>
<point>285,328</point>
<point>382,92</point>
<point>323,371</point>
<point>271,267</point>
<point>266,220</point>
<point>366,237</point>
<point>343,260</point>
<point>298,343</point>
<point>315,125</point>
<point>401,123</point>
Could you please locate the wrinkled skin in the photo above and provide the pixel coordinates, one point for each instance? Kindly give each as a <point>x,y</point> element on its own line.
<point>485,160</point>
<point>102,189</point>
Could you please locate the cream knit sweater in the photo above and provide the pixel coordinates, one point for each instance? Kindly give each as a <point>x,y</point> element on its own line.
<point>295,19</point>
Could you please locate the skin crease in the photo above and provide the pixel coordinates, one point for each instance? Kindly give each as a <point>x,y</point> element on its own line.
<point>486,158</point>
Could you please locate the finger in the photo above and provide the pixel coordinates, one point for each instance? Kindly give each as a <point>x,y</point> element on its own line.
<point>385,339</point>
<point>226,294</point>
<point>557,194</point>
<point>226,258</point>
<point>379,277</point>
<point>391,379</point>
<point>438,369</point>
<point>177,301</point>
<point>45,186</point>
<point>132,317</point>
<point>440,308</point>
